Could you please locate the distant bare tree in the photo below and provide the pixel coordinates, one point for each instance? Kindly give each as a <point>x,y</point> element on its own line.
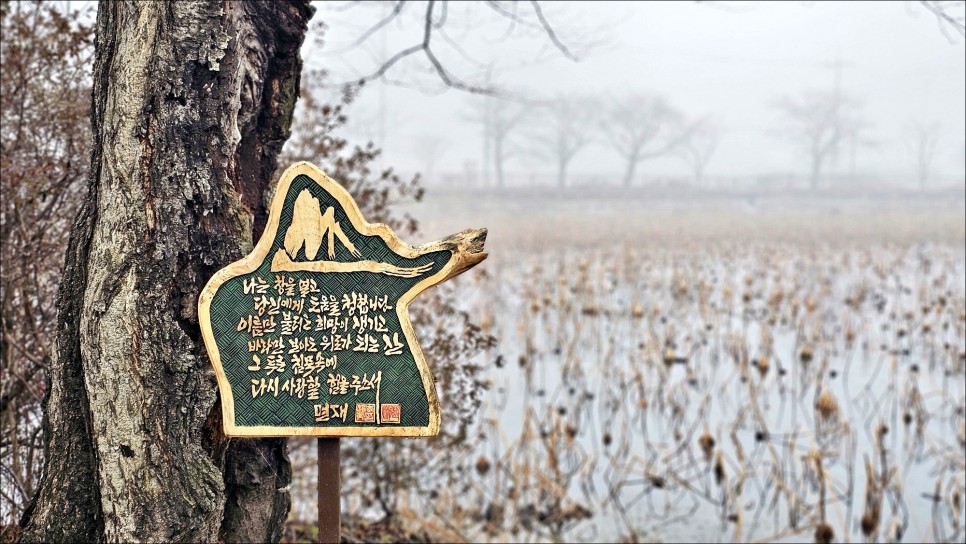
<point>856,137</point>
<point>504,117</point>
<point>819,122</point>
<point>641,127</point>
<point>428,148</point>
<point>566,127</point>
<point>498,118</point>
<point>699,146</point>
<point>922,140</point>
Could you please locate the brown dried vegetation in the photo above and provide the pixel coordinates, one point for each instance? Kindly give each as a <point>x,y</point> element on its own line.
<point>44,106</point>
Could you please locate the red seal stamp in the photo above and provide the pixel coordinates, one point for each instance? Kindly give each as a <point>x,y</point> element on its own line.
<point>391,413</point>
<point>365,413</point>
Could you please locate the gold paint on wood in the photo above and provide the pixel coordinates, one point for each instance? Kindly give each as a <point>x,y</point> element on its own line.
<point>319,229</point>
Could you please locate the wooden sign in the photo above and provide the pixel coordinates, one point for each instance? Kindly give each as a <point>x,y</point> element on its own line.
<point>310,333</point>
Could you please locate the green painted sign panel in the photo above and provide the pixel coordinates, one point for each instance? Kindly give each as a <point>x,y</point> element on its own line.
<point>310,334</point>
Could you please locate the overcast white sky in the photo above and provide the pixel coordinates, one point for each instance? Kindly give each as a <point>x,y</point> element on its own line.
<point>729,60</point>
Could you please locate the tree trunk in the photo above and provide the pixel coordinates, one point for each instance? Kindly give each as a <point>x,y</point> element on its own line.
<point>487,137</point>
<point>923,166</point>
<point>816,172</point>
<point>562,173</point>
<point>629,171</point>
<point>498,160</point>
<point>191,105</point>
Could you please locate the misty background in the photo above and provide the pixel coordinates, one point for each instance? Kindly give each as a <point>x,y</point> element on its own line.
<point>733,66</point>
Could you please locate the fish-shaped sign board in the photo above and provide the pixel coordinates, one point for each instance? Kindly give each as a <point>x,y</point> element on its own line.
<point>309,335</point>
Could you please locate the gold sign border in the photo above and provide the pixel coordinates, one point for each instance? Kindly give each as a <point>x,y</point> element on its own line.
<point>463,258</point>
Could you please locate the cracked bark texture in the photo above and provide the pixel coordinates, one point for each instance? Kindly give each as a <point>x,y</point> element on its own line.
<point>192,102</point>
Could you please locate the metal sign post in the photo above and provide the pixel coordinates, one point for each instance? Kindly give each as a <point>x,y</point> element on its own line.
<point>309,334</point>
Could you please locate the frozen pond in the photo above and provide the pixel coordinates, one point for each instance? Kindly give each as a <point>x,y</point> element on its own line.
<point>708,375</point>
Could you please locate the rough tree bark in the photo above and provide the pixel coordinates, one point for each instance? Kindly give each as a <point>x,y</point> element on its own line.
<point>191,105</point>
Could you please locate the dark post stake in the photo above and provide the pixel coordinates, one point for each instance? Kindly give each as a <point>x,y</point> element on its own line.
<point>330,523</point>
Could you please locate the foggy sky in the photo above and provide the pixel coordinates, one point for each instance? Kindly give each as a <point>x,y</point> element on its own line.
<point>729,60</point>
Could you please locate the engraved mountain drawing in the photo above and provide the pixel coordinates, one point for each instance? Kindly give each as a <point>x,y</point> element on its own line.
<point>310,228</point>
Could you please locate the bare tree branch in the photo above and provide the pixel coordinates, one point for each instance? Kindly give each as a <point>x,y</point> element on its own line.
<point>389,63</point>
<point>550,32</point>
<point>396,10</point>
<point>442,16</point>
<point>441,70</point>
<point>343,7</point>
<point>511,15</point>
<point>459,49</point>
<point>435,21</point>
<point>944,19</point>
